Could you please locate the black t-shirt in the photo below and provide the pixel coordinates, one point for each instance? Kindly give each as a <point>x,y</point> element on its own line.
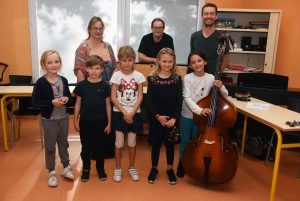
<point>93,100</point>
<point>209,46</point>
<point>150,48</point>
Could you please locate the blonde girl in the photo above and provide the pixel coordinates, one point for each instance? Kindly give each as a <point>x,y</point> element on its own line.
<point>51,94</point>
<point>127,96</point>
<point>164,100</point>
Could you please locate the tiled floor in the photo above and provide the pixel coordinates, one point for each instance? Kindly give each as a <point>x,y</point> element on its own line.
<point>23,176</point>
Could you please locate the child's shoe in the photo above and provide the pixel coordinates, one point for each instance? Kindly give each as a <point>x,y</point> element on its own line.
<point>102,174</point>
<point>172,178</point>
<point>85,175</point>
<point>180,171</point>
<point>152,175</point>
<point>134,174</point>
<point>118,174</point>
<point>52,180</point>
<point>67,173</point>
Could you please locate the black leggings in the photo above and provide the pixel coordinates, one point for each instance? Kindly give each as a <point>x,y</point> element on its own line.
<point>156,151</point>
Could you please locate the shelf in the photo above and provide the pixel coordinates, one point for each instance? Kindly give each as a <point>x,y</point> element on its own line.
<point>246,52</point>
<point>243,30</point>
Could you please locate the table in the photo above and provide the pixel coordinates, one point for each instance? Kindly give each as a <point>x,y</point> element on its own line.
<point>275,117</point>
<point>13,91</point>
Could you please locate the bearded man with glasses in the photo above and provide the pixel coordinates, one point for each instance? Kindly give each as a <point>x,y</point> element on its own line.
<point>153,42</point>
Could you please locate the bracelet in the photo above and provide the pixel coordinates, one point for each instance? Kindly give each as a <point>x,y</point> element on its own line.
<point>156,116</point>
<point>154,60</point>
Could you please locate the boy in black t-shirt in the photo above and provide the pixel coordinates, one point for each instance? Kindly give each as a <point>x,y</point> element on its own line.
<point>93,103</point>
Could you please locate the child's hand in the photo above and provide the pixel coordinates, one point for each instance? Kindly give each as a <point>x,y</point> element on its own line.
<point>171,123</point>
<point>107,130</point>
<point>205,111</point>
<point>63,99</point>
<point>76,126</point>
<point>128,117</point>
<point>163,120</point>
<point>218,83</point>
<point>57,103</point>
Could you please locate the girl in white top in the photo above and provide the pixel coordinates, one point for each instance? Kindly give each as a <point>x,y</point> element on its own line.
<point>127,96</point>
<point>197,85</point>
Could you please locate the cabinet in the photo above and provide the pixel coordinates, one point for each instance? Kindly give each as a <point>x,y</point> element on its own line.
<point>264,61</point>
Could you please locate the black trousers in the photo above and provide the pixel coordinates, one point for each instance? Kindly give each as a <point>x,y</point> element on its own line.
<point>156,151</point>
<point>92,139</point>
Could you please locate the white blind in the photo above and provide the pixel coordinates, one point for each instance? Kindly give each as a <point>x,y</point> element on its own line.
<point>62,26</point>
<point>180,17</point>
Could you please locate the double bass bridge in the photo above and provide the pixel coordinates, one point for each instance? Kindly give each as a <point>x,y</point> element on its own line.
<point>209,142</point>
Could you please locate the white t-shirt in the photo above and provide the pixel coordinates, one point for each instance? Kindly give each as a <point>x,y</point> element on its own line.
<point>127,88</point>
<point>196,88</point>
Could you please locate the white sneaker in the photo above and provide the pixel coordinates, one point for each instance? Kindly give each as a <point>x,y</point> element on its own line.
<point>118,174</point>
<point>134,174</point>
<point>67,173</point>
<point>52,180</point>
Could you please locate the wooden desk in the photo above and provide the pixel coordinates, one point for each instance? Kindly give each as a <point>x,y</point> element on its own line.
<point>275,117</point>
<point>13,91</point>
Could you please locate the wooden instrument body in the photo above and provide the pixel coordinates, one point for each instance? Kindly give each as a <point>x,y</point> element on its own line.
<point>222,153</point>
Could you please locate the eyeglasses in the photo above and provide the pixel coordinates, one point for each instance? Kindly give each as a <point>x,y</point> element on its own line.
<point>157,28</point>
<point>97,29</point>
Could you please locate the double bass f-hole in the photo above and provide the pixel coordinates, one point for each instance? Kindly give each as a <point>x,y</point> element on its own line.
<point>198,141</point>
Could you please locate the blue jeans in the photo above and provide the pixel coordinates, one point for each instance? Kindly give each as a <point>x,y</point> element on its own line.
<point>188,131</point>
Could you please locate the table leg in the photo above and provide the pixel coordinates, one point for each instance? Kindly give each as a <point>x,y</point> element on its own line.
<point>4,122</point>
<point>244,134</point>
<point>276,164</point>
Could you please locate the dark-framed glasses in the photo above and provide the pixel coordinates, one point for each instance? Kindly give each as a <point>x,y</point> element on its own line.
<point>97,28</point>
<point>157,28</point>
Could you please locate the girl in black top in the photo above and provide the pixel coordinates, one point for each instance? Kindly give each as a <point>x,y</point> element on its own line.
<point>164,102</point>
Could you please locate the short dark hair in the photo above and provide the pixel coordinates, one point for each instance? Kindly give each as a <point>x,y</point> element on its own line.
<point>210,5</point>
<point>157,19</point>
<point>94,60</point>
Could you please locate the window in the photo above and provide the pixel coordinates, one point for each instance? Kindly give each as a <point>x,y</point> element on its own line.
<point>62,26</point>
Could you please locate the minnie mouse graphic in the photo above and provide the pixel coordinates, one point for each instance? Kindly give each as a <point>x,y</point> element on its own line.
<point>128,92</point>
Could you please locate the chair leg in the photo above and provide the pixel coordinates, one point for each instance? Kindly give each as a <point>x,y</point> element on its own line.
<point>41,132</point>
<point>12,133</point>
<point>269,149</point>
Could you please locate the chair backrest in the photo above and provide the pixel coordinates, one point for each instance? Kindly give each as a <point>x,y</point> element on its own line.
<point>17,80</point>
<point>263,80</point>
<point>294,104</point>
<point>5,66</point>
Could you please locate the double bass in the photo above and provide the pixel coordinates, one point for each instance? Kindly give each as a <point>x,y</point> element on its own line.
<point>211,157</point>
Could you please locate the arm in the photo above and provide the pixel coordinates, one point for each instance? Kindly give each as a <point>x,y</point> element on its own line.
<point>108,113</point>
<point>178,108</point>
<point>81,55</point>
<point>225,61</point>
<point>188,97</point>
<point>221,87</point>
<point>225,57</point>
<point>112,57</point>
<point>177,112</point>
<point>37,95</point>
<point>150,105</point>
<point>76,113</point>
<point>149,96</point>
<point>139,100</point>
<point>114,99</point>
<point>143,58</point>
<point>79,74</point>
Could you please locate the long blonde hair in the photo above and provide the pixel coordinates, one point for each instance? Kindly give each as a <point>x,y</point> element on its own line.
<point>157,69</point>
